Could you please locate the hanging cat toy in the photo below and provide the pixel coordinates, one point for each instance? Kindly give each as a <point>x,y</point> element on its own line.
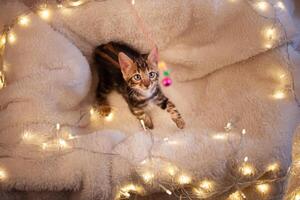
<point>167,81</point>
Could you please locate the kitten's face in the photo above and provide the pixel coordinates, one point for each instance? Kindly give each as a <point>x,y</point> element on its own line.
<point>140,74</point>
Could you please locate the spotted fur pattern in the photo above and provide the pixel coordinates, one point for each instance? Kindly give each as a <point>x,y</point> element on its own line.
<point>133,75</point>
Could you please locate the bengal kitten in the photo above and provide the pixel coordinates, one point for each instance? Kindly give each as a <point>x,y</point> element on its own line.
<point>136,77</point>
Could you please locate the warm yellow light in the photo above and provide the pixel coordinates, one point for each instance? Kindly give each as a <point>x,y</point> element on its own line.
<point>184,179</point>
<point>57,126</point>
<point>2,175</point>
<point>109,117</point>
<point>27,136</point>
<point>44,146</point>
<point>268,46</point>
<point>262,5</point>
<point>273,167</point>
<point>280,5</point>
<point>244,131</point>
<point>171,170</point>
<point>270,33</point>
<point>246,159</point>
<point>263,188</point>
<point>59,5</point>
<point>207,185</point>
<point>132,2</point>
<point>12,38</point>
<point>132,188</point>
<point>62,143</point>
<point>75,3</point>
<point>238,195</point>
<point>220,136</point>
<point>282,76</point>
<point>297,196</point>
<point>24,21</point>
<point>45,14</point>
<point>279,94</point>
<point>148,176</point>
<point>3,40</point>
<point>247,170</point>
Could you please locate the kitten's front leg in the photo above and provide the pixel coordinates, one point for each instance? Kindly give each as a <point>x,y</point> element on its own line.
<point>164,103</point>
<point>142,115</point>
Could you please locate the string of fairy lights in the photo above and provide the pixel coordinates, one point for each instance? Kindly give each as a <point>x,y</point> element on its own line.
<point>175,182</point>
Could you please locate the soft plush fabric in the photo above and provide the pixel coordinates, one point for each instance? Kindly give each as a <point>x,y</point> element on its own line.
<point>221,70</point>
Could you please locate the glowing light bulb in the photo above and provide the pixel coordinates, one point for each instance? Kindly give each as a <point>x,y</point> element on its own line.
<point>2,175</point>
<point>92,111</point>
<point>132,2</point>
<point>219,136</point>
<point>129,188</point>
<point>207,185</point>
<point>262,5</point>
<point>268,46</point>
<point>171,171</point>
<point>244,131</point>
<point>282,76</point>
<point>75,3</point>
<point>57,126</point>
<point>246,159</point>
<point>168,192</point>
<point>280,5</point>
<point>148,176</point>
<point>238,195</point>
<point>263,188</point>
<point>45,14</point>
<point>273,167</point>
<point>12,38</point>
<point>44,146</point>
<point>2,40</point>
<point>270,33</point>
<point>279,94</point>
<point>23,21</point>
<point>27,136</point>
<point>109,117</point>
<point>247,170</point>
<point>184,179</point>
<point>62,143</point>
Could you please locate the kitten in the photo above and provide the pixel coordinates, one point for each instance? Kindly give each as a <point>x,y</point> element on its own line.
<point>133,75</point>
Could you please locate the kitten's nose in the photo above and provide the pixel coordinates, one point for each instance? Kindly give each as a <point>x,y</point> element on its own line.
<point>147,84</point>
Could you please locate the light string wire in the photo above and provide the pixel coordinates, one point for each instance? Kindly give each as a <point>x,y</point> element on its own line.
<point>6,32</point>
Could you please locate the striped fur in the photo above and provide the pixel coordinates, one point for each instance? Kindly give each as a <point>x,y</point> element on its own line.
<point>137,93</point>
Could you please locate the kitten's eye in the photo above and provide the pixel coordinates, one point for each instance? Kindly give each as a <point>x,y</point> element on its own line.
<point>137,77</point>
<point>152,75</point>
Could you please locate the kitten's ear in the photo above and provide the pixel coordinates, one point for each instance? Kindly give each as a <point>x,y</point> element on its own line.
<point>153,56</point>
<point>126,64</point>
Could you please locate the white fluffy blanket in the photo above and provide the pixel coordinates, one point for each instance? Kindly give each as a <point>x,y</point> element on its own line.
<point>221,70</point>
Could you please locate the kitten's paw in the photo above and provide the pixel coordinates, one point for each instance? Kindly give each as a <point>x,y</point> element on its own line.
<point>180,123</point>
<point>104,110</point>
